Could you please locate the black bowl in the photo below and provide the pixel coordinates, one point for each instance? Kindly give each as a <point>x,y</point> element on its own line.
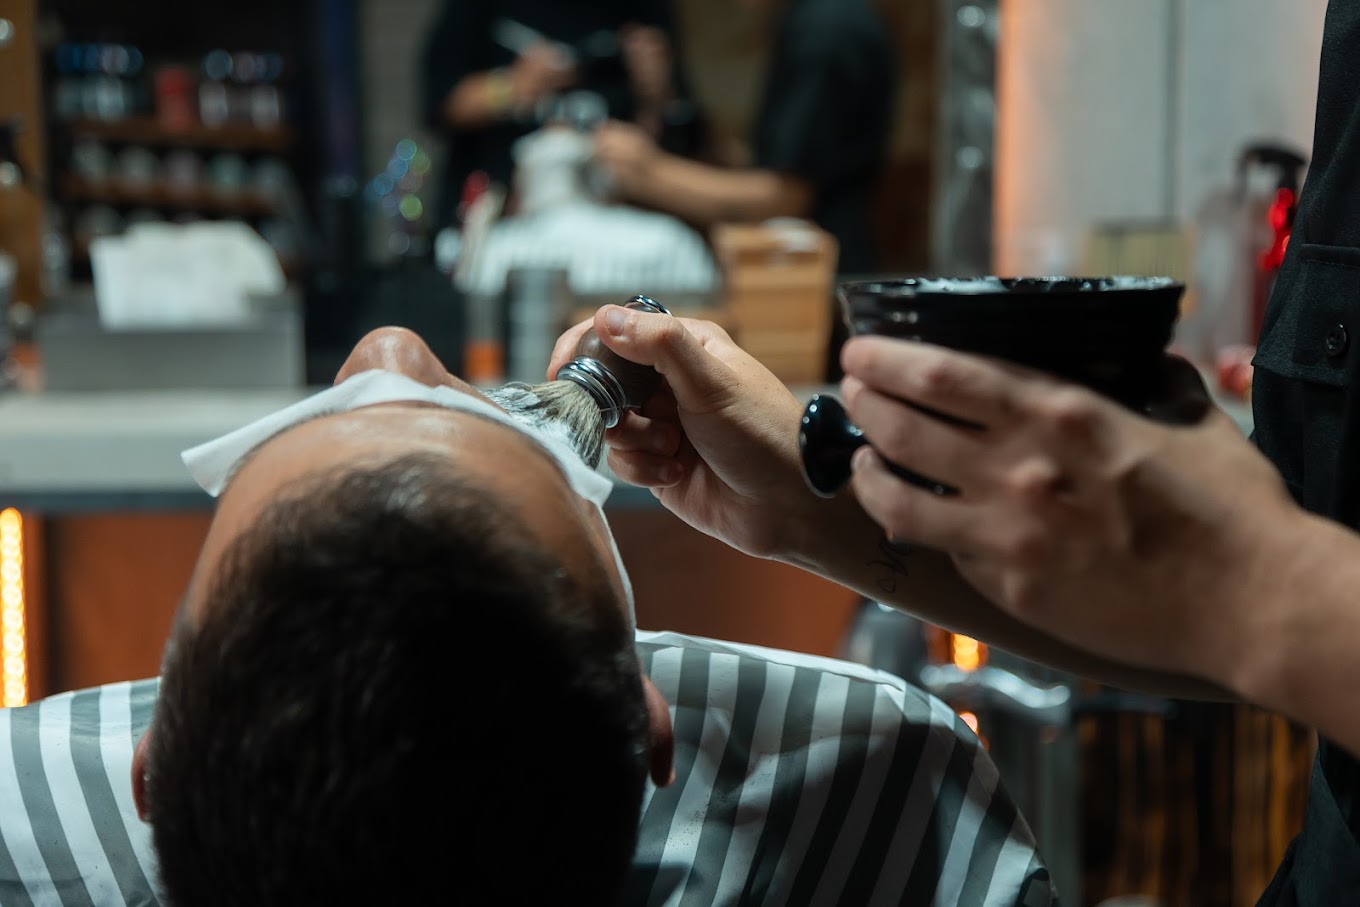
<point>1108,333</point>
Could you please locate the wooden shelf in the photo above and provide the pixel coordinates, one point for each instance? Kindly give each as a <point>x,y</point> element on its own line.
<point>146,130</point>
<point>112,193</point>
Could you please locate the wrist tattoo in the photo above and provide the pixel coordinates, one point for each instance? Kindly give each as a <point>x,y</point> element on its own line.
<point>892,561</point>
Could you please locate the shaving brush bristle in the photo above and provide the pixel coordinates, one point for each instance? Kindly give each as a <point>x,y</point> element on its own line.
<point>561,408</point>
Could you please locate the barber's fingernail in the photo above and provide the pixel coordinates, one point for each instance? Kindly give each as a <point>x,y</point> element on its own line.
<point>616,319</point>
<point>671,473</point>
<point>861,458</point>
<point>850,385</point>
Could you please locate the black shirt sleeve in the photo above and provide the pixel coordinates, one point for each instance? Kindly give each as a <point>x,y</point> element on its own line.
<point>826,110</point>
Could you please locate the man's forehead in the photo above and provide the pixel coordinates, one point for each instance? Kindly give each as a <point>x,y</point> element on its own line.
<point>395,410</point>
<point>212,463</point>
<point>374,416</point>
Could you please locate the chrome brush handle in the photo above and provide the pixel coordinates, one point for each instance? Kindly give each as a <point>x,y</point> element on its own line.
<point>646,304</point>
<point>601,384</point>
<point>614,382</point>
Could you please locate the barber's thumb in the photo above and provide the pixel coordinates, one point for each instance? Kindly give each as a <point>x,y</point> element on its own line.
<point>662,341</point>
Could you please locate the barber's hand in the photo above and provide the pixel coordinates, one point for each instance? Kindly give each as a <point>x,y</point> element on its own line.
<point>542,69</point>
<point>718,442</point>
<point>647,57</point>
<point>1137,540</point>
<point>627,154</point>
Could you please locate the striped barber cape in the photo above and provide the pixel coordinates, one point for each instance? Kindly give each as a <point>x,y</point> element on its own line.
<point>799,780</point>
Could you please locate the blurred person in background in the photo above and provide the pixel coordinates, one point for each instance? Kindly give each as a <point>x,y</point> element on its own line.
<point>819,140</point>
<point>491,71</point>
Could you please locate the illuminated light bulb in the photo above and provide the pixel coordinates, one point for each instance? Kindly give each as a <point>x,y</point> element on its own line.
<point>411,207</point>
<point>967,655</point>
<point>971,720</point>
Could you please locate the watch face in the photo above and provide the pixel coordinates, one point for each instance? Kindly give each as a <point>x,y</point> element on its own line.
<point>1108,333</point>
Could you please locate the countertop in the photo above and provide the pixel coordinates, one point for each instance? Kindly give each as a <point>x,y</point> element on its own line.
<point>115,450</point>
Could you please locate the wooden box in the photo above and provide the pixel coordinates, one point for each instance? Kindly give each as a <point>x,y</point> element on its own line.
<point>778,282</point>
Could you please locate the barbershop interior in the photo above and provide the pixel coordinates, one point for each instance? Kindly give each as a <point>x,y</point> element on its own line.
<point>206,208</point>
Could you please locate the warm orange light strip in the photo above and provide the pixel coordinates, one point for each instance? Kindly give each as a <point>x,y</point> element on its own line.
<point>13,641</point>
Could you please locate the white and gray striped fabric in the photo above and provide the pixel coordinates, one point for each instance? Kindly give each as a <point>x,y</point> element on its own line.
<point>799,780</point>
<point>69,833</point>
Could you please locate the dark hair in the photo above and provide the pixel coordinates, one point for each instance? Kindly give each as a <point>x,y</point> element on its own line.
<point>394,694</point>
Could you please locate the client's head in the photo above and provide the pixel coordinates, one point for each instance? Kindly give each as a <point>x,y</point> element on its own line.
<point>403,672</point>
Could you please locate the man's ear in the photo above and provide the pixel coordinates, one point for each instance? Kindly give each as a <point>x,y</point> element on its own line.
<point>139,774</point>
<point>662,734</point>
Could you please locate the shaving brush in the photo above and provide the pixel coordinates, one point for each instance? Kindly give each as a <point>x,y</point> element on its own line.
<point>588,395</point>
<point>612,381</point>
